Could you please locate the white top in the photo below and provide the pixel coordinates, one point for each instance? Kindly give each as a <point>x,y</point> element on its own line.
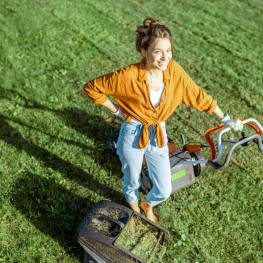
<point>155,97</point>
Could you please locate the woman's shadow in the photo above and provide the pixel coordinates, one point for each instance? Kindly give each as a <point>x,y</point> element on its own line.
<point>93,127</point>
<point>97,130</point>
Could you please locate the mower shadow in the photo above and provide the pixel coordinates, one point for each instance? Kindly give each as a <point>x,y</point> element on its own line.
<point>54,210</point>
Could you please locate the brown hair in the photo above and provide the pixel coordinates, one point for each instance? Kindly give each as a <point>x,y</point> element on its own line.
<point>150,30</point>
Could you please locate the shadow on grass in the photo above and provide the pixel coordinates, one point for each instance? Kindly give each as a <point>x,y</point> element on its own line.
<point>13,137</point>
<point>94,127</point>
<point>97,130</point>
<point>54,210</point>
<point>51,208</point>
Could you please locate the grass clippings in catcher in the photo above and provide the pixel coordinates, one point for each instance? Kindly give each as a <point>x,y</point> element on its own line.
<point>139,237</point>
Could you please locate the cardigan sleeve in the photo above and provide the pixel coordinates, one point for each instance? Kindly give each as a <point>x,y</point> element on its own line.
<point>196,97</point>
<point>97,88</point>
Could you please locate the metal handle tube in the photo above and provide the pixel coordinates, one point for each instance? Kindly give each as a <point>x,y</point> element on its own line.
<point>190,162</point>
<point>220,144</point>
<point>255,121</point>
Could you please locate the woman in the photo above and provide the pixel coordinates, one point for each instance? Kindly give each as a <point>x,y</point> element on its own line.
<point>147,93</point>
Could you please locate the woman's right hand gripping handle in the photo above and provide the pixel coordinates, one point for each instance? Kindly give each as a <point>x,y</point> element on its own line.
<point>257,137</point>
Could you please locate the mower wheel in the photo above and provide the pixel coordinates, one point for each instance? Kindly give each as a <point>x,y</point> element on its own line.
<point>146,183</point>
<point>111,142</point>
<point>198,168</point>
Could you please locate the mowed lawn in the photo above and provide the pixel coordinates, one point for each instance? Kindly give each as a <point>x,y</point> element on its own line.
<point>54,165</point>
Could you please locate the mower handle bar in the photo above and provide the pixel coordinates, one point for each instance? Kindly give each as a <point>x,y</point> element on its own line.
<point>214,162</point>
<point>255,137</point>
<point>219,142</point>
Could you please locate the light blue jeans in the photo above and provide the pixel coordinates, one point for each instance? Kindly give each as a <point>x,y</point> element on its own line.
<point>132,157</point>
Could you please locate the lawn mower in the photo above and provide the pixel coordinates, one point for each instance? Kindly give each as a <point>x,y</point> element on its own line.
<point>188,163</point>
<point>106,232</point>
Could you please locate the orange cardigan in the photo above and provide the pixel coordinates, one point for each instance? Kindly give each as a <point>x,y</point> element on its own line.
<point>128,86</point>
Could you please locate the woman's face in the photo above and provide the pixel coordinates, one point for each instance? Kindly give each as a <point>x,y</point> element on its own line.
<point>158,54</point>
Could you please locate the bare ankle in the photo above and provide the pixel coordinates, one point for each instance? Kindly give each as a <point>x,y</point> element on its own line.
<point>145,206</point>
<point>149,211</point>
<point>135,207</point>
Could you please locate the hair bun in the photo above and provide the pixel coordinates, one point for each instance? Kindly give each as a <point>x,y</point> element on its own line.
<point>150,22</point>
<point>150,30</point>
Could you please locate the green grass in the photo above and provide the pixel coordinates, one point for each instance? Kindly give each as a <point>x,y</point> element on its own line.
<point>54,165</point>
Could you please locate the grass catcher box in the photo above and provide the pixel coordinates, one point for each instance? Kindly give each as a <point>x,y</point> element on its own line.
<point>112,233</point>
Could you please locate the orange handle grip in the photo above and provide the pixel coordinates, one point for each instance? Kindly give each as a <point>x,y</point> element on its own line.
<point>210,141</point>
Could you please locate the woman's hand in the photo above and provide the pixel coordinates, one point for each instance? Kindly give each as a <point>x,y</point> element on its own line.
<point>111,106</point>
<point>234,124</point>
<point>119,113</point>
<point>114,108</point>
